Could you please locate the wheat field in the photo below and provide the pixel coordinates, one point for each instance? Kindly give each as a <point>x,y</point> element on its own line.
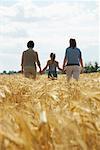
<point>71,119</point>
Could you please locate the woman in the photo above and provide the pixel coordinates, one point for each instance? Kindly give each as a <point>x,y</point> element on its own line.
<point>72,60</point>
<point>53,65</point>
<point>29,60</point>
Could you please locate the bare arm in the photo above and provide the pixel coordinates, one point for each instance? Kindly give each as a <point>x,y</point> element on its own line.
<point>64,62</point>
<point>45,67</point>
<point>38,62</point>
<point>81,62</point>
<point>65,59</point>
<point>22,62</point>
<point>59,67</point>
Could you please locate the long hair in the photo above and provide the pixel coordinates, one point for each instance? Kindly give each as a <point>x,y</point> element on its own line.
<point>72,43</point>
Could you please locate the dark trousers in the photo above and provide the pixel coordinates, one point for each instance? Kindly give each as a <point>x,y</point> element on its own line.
<point>52,74</point>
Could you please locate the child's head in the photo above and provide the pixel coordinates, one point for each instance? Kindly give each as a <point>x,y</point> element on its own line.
<point>52,56</point>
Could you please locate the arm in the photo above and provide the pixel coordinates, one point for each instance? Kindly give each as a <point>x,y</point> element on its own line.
<point>22,62</point>
<point>45,67</point>
<point>64,62</point>
<point>59,68</point>
<point>65,59</point>
<point>81,62</point>
<point>38,62</point>
<point>22,69</point>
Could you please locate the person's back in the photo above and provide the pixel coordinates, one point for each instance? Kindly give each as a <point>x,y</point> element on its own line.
<point>30,58</point>
<point>73,56</point>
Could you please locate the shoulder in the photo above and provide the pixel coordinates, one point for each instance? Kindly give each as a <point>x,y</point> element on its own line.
<point>67,49</point>
<point>49,61</point>
<point>56,62</point>
<point>25,51</point>
<point>35,52</point>
<point>78,49</point>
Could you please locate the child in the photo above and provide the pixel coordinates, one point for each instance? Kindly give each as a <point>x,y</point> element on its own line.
<point>53,65</point>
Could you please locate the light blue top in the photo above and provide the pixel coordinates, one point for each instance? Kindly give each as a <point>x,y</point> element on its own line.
<point>73,56</point>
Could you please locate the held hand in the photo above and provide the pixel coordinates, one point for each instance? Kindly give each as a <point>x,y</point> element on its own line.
<point>64,68</point>
<point>42,72</point>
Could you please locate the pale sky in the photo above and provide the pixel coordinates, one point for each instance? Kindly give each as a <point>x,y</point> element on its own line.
<point>50,24</point>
